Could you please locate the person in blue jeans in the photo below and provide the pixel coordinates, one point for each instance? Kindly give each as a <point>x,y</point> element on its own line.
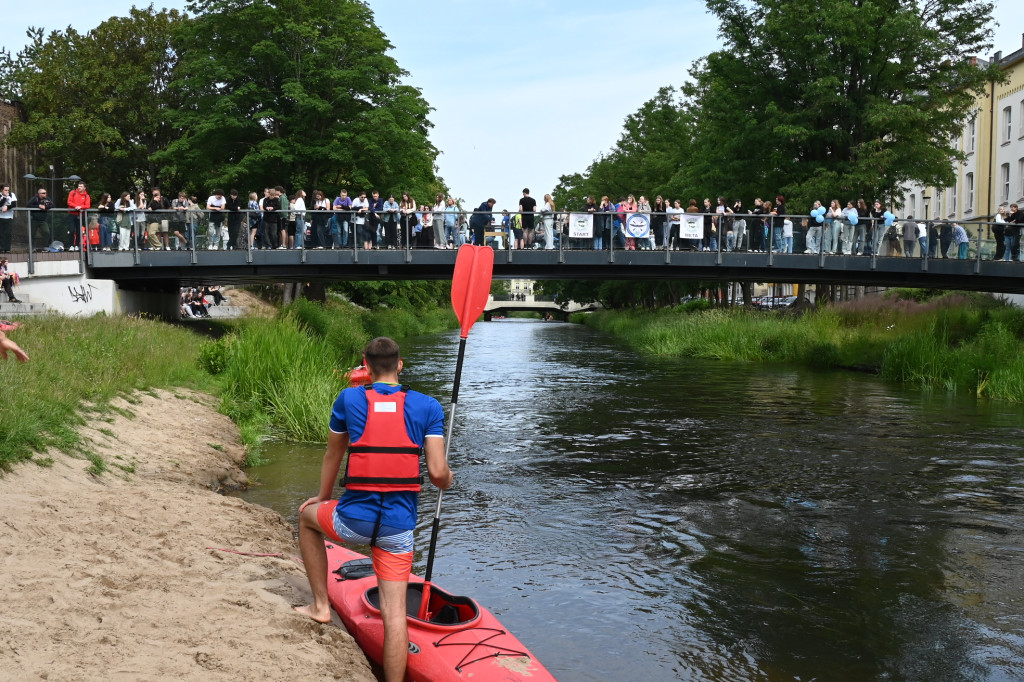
<point>1011,235</point>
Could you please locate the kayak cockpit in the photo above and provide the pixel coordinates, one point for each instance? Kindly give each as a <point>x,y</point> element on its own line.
<point>444,609</point>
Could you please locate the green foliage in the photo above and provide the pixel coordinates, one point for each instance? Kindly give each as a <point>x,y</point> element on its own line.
<point>953,343</point>
<point>300,93</point>
<point>281,375</point>
<point>396,293</point>
<point>620,294</point>
<point>647,159</point>
<point>86,359</point>
<point>816,99</point>
<point>863,97</point>
<point>213,355</point>
<point>98,103</point>
<point>500,287</point>
<point>297,92</point>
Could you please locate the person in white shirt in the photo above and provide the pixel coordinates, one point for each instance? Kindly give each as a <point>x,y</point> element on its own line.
<point>216,232</point>
<point>361,208</point>
<point>299,209</point>
<point>548,221</point>
<point>8,201</point>
<point>123,208</point>
<point>440,241</point>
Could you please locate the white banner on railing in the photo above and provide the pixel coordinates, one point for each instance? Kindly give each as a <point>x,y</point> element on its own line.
<point>691,226</point>
<point>638,225</point>
<point>581,225</point>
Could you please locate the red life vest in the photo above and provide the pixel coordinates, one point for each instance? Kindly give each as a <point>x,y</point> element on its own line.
<point>384,459</point>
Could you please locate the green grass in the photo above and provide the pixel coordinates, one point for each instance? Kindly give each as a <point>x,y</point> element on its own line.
<point>281,375</point>
<point>79,361</point>
<point>275,377</point>
<point>954,342</point>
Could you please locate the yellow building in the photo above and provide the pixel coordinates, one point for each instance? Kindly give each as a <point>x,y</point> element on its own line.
<point>993,140</point>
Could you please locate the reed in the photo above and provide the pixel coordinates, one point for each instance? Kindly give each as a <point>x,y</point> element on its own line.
<point>281,375</point>
<point>953,343</point>
<point>78,366</point>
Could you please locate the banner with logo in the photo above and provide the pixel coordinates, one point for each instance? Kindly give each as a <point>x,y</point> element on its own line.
<point>691,226</point>
<point>637,225</point>
<point>581,225</point>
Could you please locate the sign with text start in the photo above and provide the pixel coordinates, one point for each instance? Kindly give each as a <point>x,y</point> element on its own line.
<point>581,225</point>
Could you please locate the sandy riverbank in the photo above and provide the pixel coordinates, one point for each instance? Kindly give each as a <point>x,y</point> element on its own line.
<point>108,577</point>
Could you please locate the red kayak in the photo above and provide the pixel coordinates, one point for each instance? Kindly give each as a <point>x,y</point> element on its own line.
<point>460,640</point>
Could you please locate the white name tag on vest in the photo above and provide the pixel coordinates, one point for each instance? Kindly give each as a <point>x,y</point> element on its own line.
<point>385,407</point>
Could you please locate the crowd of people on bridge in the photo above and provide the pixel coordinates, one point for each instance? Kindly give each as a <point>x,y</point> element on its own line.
<point>372,220</point>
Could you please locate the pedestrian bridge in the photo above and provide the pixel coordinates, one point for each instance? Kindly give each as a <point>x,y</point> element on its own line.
<point>533,304</point>
<point>168,270</point>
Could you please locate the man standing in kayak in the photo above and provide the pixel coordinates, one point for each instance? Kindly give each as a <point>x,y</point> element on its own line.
<point>388,427</point>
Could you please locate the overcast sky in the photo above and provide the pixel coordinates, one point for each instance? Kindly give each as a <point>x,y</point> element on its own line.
<point>523,91</point>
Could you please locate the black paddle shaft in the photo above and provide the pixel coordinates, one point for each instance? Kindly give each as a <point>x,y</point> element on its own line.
<point>447,446</point>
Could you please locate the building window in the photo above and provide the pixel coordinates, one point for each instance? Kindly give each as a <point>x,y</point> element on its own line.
<point>912,205</point>
<point>1004,182</point>
<point>1020,178</point>
<point>971,127</point>
<point>969,193</point>
<point>955,192</point>
<point>938,204</point>
<point>1020,119</point>
<point>1008,123</point>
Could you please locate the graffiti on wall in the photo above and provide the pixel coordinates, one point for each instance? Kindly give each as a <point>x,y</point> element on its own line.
<point>82,294</point>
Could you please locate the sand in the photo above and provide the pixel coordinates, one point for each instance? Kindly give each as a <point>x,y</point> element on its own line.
<point>108,577</point>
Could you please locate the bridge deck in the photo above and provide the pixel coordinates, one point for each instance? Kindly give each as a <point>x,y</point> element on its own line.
<point>168,269</point>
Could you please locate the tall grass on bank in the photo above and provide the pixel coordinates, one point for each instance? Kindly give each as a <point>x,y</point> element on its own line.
<point>281,375</point>
<point>955,343</point>
<point>79,361</point>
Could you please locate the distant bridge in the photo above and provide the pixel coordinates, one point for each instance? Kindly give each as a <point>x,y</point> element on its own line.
<point>532,304</point>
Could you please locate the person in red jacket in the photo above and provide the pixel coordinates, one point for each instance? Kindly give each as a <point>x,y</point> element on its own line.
<point>78,203</point>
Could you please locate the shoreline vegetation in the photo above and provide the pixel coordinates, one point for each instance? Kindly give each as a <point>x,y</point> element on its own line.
<point>956,342</point>
<point>275,377</point>
<point>279,376</point>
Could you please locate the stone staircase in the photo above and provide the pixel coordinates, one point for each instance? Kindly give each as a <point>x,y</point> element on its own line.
<point>225,310</point>
<point>26,307</point>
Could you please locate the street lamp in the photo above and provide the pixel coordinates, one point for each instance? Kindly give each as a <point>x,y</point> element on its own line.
<point>52,178</point>
<point>926,199</point>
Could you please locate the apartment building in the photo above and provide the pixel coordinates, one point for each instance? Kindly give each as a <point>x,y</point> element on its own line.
<point>993,140</point>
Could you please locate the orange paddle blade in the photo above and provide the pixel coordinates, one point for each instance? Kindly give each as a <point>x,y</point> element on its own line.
<point>471,283</point>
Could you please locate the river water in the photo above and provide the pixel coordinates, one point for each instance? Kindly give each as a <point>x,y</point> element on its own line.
<point>650,519</point>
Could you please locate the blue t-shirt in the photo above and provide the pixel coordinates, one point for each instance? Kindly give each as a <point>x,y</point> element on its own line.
<point>424,418</point>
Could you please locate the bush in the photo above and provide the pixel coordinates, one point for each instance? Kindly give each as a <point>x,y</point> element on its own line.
<point>953,342</point>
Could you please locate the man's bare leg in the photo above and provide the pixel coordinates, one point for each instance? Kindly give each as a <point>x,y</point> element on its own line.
<point>314,556</point>
<point>396,628</point>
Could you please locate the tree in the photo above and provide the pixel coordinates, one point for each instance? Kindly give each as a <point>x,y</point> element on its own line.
<point>296,92</point>
<point>648,158</point>
<point>97,103</point>
<point>835,98</point>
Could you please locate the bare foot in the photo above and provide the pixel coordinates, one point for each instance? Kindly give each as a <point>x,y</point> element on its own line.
<point>311,611</point>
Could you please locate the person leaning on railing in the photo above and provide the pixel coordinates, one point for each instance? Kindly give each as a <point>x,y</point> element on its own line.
<point>40,206</point>
<point>1011,234</point>
<point>8,202</point>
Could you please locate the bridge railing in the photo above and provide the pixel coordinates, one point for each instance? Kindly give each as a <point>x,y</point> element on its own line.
<point>758,233</point>
<point>32,231</point>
